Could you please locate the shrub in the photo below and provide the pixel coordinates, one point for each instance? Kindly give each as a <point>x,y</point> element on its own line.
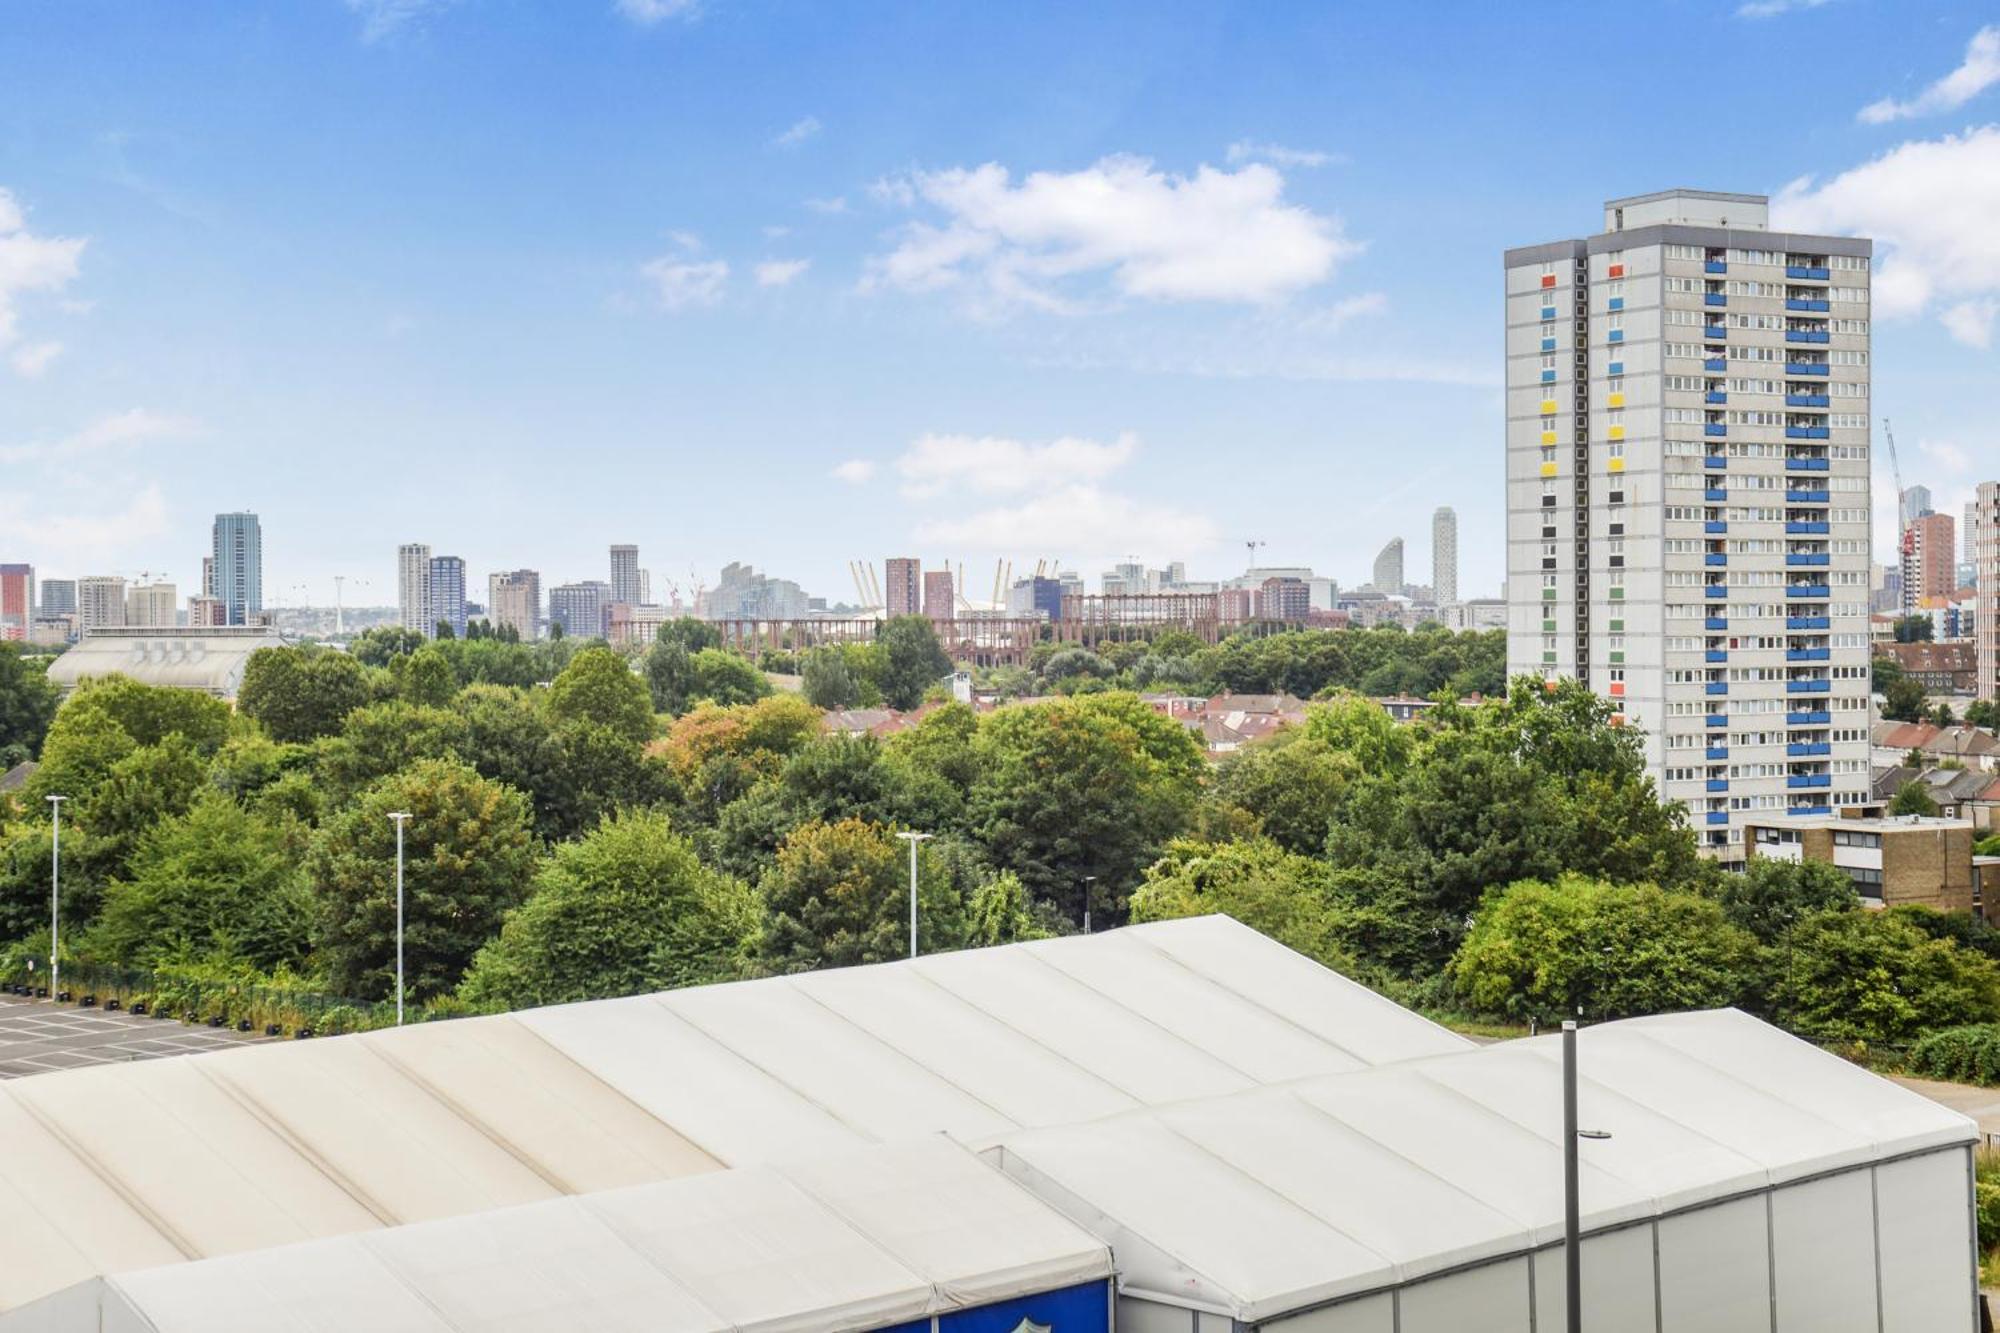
<point>1966,1054</point>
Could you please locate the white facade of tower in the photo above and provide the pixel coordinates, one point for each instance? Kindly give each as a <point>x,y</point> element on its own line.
<point>1389,568</point>
<point>413,588</point>
<point>1688,496</point>
<point>1444,556</point>
<point>1986,559</point>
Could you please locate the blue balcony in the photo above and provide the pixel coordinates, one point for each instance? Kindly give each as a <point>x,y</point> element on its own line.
<point>1716,622</point>
<point>1615,368</point>
<point>1715,396</point>
<point>1807,400</point>
<point>1718,784</point>
<point>1717,753</point>
<point>1809,592</point>
<point>1810,810</point>
<point>1807,433</point>
<point>1717,816</point>
<point>1715,591</point>
<point>1808,622</point>
<point>1806,529</point>
<point>1714,428</point>
<point>1548,312</point>
<point>1548,344</point>
<point>1714,558</point>
<point>1716,687</point>
<point>1715,525</point>
<point>1615,303</point>
<point>1616,336</point>
<point>1807,465</point>
<point>1808,654</point>
<point>1716,363</point>
<point>1715,495</point>
<point>1548,377</point>
<point>1808,559</point>
<point>1714,266</point>
<point>1714,298</point>
<point>1717,720</point>
<point>1808,274</point>
<point>1714,333</point>
<point>1805,335</point>
<point>1809,780</point>
<point>1806,749</point>
<point>1807,368</point>
<point>1715,462</point>
<point>1808,687</point>
<point>1808,719</point>
<point>1796,303</point>
<point>1716,655</point>
<point>1803,497</point>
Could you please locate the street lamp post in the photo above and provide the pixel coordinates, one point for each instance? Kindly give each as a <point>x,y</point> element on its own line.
<point>399,816</point>
<point>55,895</point>
<point>1572,1210</point>
<point>913,839</point>
<point>1088,880</point>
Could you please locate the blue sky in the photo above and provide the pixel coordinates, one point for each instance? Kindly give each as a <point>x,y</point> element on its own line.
<point>798,284</point>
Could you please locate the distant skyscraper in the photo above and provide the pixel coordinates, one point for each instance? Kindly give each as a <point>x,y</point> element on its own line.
<point>1389,568</point>
<point>413,588</point>
<point>100,602</point>
<point>1444,556</point>
<point>625,585</point>
<point>17,600</point>
<point>58,597</point>
<point>515,598</point>
<point>208,575</point>
<point>903,590</point>
<point>579,608</point>
<point>1287,599</point>
<point>1930,554</point>
<point>447,595</point>
<point>1916,502</point>
<point>238,553</point>
<point>1986,624</point>
<point>153,606</point>
<point>938,603</point>
<point>1968,537</point>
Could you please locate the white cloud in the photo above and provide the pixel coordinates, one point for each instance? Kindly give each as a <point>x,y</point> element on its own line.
<point>32,359</point>
<point>680,283</point>
<point>1944,454</point>
<point>775,233</point>
<point>780,272</point>
<point>1249,150</point>
<point>1930,204</point>
<point>87,540</point>
<point>383,18</point>
<point>1068,515</point>
<point>1768,9</point>
<point>854,471</point>
<point>649,12</point>
<point>132,427</point>
<point>992,465</point>
<point>1979,71</point>
<point>30,263</point>
<point>835,205</point>
<point>800,131</point>
<point>1212,236</point>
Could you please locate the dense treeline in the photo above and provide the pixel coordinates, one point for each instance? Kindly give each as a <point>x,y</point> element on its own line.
<point>585,824</point>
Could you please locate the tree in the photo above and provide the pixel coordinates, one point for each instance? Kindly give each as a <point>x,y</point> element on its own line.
<point>27,705</point>
<point>379,646</point>
<point>1914,629</point>
<point>151,713</point>
<point>1914,798</point>
<point>839,895</point>
<point>300,697</point>
<point>670,678</point>
<point>1582,946</point>
<point>913,660</point>
<point>1903,700</point>
<point>828,681</point>
<point>597,686</point>
<point>624,909</point>
<point>1292,784</point>
<point>380,739</point>
<point>727,678</point>
<point>1983,713</point>
<point>1288,897</point>
<point>690,634</point>
<point>1768,897</point>
<point>1875,977</point>
<point>469,856</point>
<point>215,882</point>
<point>426,677</point>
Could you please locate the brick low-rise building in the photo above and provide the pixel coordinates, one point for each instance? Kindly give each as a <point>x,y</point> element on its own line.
<point>1951,667</point>
<point>1893,862</point>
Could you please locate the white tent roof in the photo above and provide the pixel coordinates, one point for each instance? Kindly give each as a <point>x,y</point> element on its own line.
<point>1268,1201</point>
<point>211,659</point>
<point>215,1154</point>
<point>862,1239</point>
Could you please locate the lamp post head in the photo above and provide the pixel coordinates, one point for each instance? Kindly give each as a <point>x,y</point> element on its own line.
<point>917,837</point>
<point>399,815</point>
<point>56,800</point>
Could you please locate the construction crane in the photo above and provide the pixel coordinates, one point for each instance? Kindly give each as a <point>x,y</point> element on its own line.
<point>1253,544</point>
<point>1895,468</point>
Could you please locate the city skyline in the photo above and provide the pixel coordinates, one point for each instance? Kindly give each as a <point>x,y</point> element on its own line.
<point>621,312</point>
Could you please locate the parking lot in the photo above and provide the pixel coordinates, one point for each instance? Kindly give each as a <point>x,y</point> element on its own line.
<point>38,1037</point>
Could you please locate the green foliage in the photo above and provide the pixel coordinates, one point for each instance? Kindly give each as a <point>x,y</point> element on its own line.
<point>838,895</point>
<point>24,877</point>
<point>1582,946</point>
<point>1769,896</point>
<point>912,660</point>
<point>727,679</point>
<point>1983,713</point>
<point>829,681</point>
<point>151,713</point>
<point>27,705</point>
<point>300,696</point>
<point>626,908</point>
<point>1903,699</point>
<point>1914,629</point>
<point>379,646</point>
<point>1966,1054</point>
<point>670,678</point>
<point>1875,977</point>
<point>469,856</point>
<point>597,686</point>
<point>1291,898</point>
<point>425,678</point>
<point>381,739</point>
<point>1987,846</point>
<point>216,881</point>
<point>1914,798</point>
<point>689,634</point>
<point>1290,786</point>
